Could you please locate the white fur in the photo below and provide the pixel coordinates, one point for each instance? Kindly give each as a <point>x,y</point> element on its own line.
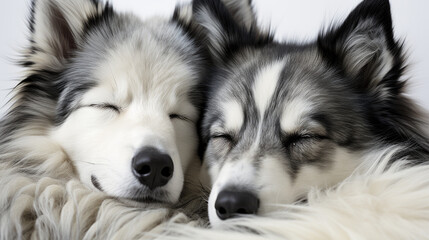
<point>377,202</point>
<point>344,164</point>
<point>48,208</point>
<point>293,113</point>
<point>265,84</point>
<point>234,116</point>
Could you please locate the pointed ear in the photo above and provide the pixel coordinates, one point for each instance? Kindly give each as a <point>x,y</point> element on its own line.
<point>227,27</point>
<point>57,28</point>
<point>364,48</point>
<point>240,10</point>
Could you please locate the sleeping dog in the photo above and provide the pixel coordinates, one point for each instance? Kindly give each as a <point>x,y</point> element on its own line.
<point>283,117</point>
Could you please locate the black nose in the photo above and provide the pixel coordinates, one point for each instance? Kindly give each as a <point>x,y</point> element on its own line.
<point>152,168</point>
<point>231,203</point>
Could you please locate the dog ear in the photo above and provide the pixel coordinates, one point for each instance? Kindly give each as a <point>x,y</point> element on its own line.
<point>365,52</point>
<point>241,11</point>
<point>56,29</point>
<point>364,48</point>
<point>227,27</point>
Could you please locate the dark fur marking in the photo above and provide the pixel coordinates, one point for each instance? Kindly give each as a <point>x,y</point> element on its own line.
<point>64,107</point>
<point>96,183</point>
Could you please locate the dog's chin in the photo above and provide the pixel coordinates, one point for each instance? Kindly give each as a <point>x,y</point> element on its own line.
<point>146,196</point>
<point>138,196</point>
<point>145,202</point>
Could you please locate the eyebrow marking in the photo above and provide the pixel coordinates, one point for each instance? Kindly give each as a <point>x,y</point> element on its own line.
<point>233,114</point>
<point>294,114</point>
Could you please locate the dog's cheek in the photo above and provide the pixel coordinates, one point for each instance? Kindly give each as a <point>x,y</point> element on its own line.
<point>317,152</point>
<point>215,157</point>
<point>88,137</point>
<point>213,171</point>
<point>186,142</point>
<point>212,160</point>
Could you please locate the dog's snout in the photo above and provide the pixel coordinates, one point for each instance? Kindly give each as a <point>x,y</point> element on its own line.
<point>152,167</point>
<point>231,203</point>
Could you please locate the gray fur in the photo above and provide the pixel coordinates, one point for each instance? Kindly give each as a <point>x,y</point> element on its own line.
<point>345,90</point>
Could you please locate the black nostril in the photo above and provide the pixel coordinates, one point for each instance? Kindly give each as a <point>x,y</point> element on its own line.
<point>166,172</point>
<point>222,210</point>
<point>152,167</point>
<point>232,203</point>
<point>143,170</point>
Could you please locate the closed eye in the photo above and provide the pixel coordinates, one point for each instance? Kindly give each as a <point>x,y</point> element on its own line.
<point>180,117</point>
<point>225,136</point>
<point>107,106</point>
<point>293,139</point>
<point>222,141</point>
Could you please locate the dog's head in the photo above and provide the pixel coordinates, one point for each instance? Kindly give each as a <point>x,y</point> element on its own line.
<point>283,118</point>
<point>119,92</point>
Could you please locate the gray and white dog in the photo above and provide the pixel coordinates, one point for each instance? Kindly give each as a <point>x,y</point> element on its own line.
<point>282,118</point>
<point>108,99</point>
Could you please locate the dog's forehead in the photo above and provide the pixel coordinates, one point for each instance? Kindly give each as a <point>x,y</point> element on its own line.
<point>146,66</point>
<point>281,90</point>
<point>151,63</point>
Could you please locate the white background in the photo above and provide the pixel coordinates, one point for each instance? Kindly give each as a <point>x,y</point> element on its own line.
<point>291,20</point>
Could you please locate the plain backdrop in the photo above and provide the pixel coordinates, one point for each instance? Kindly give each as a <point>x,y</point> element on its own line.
<point>291,20</point>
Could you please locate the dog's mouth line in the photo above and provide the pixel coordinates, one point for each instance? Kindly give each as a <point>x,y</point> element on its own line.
<point>147,199</point>
<point>96,183</point>
<point>144,199</point>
